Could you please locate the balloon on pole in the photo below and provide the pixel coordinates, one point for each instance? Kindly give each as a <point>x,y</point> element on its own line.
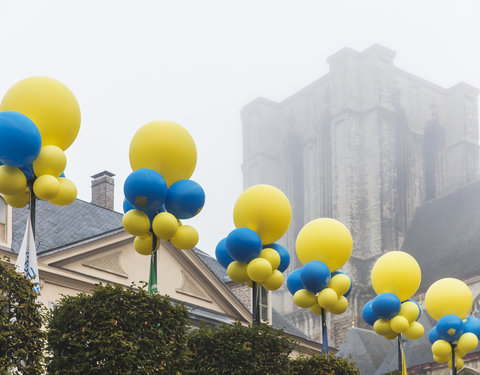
<point>39,120</point>
<point>449,301</point>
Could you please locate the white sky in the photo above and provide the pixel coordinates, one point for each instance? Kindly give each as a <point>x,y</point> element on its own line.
<point>199,62</point>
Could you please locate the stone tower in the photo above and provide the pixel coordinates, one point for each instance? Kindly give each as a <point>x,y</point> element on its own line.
<point>365,144</point>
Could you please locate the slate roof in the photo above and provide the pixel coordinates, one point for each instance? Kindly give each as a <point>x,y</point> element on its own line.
<point>444,236</point>
<point>60,226</point>
<point>367,349</point>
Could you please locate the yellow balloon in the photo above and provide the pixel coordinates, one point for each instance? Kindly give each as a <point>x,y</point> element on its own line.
<point>444,359</point>
<point>144,244</point>
<point>66,194</point>
<point>259,270</point>
<point>458,363</point>
<point>185,238</point>
<point>326,240</point>
<point>391,336</point>
<point>237,271</point>
<point>340,283</point>
<point>12,180</point>
<point>165,225</point>
<point>316,309</point>
<point>339,307</point>
<point>18,200</point>
<point>46,187</point>
<point>249,283</point>
<point>272,256</point>
<point>448,296</point>
<point>409,310</point>
<point>136,222</point>
<point>165,147</point>
<point>467,342</point>
<point>459,353</point>
<point>414,331</point>
<point>265,210</point>
<point>441,348</point>
<point>50,105</point>
<point>304,298</point>
<point>399,324</point>
<point>382,327</point>
<point>274,282</point>
<point>51,160</point>
<point>396,272</point>
<point>327,298</point>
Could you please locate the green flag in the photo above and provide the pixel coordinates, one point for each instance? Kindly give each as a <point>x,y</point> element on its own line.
<point>152,280</point>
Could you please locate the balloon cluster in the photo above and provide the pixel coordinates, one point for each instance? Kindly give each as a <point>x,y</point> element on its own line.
<point>262,215</point>
<point>449,301</point>
<point>395,278</point>
<point>323,246</point>
<point>158,193</point>
<point>39,120</point>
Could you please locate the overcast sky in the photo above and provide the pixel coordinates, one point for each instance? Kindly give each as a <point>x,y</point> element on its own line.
<point>199,62</point>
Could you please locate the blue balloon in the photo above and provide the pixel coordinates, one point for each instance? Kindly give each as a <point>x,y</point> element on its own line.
<point>222,255</point>
<point>62,175</point>
<point>351,282</point>
<point>386,305</point>
<point>20,140</point>
<point>368,314</point>
<point>185,199</point>
<point>28,171</point>
<point>472,324</point>
<point>145,189</point>
<point>127,206</point>
<point>433,335</point>
<point>244,244</point>
<point>284,255</point>
<point>315,276</point>
<point>294,283</point>
<point>450,327</point>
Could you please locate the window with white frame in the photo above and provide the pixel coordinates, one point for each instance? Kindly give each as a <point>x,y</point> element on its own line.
<point>264,305</point>
<point>3,220</point>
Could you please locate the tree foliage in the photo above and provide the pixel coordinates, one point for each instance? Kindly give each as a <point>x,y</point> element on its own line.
<point>238,350</point>
<point>117,331</point>
<point>21,335</point>
<point>322,364</point>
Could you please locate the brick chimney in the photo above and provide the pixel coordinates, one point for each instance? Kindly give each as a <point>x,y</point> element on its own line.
<point>103,189</point>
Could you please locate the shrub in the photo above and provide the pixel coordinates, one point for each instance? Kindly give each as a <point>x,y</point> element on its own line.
<point>322,364</point>
<point>238,350</point>
<point>117,331</point>
<point>21,335</point>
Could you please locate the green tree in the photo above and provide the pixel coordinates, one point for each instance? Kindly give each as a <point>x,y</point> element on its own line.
<point>238,350</point>
<point>117,331</point>
<point>322,364</point>
<point>21,334</point>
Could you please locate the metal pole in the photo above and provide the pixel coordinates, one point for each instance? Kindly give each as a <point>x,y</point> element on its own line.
<point>255,303</point>
<point>33,206</point>
<point>399,342</point>
<point>324,333</point>
<point>454,364</point>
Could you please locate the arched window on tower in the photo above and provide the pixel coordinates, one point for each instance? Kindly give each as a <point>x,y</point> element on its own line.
<point>401,169</point>
<point>3,220</point>
<point>433,146</point>
<point>295,179</point>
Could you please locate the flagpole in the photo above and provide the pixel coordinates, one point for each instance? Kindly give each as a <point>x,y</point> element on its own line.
<point>152,279</point>
<point>324,333</point>
<point>33,206</point>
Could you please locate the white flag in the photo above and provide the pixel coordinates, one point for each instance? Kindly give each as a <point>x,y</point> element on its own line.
<point>27,258</point>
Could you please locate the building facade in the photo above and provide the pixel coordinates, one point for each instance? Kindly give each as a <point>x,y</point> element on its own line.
<point>367,144</point>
